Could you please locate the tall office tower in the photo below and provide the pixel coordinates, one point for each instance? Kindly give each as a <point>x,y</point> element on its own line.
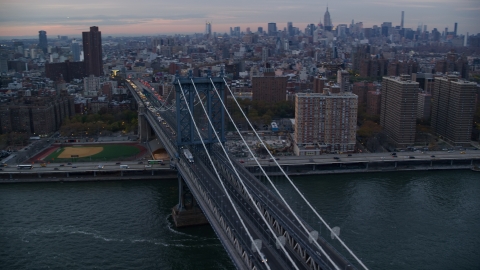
<point>401,22</point>
<point>208,29</point>
<point>325,122</point>
<point>290,29</point>
<point>453,107</point>
<point>75,47</point>
<point>42,41</point>
<point>92,52</point>
<point>398,113</point>
<point>260,30</point>
<point>455,30</point>
<point>272,29</point>
<point>327,22</point>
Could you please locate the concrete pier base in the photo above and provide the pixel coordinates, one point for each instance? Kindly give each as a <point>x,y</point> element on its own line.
<point>188,217</point>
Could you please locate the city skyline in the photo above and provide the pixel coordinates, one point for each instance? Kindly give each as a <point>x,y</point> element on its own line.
<point>184,17</point>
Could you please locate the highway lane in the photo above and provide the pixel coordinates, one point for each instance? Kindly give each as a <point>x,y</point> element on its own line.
<point>87,166</point>
<point>364,158</point>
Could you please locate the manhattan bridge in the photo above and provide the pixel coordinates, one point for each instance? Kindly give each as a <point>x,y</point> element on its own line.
<point>260,225</point>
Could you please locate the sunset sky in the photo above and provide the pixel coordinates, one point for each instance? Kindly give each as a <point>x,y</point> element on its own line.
<point>151,17</point>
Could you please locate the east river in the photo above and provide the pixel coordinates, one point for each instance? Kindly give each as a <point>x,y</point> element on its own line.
<point>404,220</point>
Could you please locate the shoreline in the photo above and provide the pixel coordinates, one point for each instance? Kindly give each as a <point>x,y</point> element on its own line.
<point>172,175</point>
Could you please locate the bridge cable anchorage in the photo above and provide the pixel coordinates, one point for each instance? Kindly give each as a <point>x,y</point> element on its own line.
<point>286,176</point>
<point>271,182</point>
<point>219,178</point>
<point>239,178</point>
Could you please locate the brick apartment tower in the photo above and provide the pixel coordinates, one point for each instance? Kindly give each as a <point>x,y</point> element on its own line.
<point>269,88</point>
<point>92,52</point>
<point>398,112</point>
<point>327,120</point>
<point>453,107</point>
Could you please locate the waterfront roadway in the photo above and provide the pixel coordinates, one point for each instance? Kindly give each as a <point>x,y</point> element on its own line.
<point>366,158</point>
<point>87,166</point>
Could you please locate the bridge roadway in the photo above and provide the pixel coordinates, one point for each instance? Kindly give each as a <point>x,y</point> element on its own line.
<point>220,213</point>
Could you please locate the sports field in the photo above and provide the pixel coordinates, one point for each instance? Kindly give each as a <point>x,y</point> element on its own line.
<point>94,153</point>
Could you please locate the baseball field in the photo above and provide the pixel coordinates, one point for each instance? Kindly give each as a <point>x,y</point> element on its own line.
<point>79,153</point>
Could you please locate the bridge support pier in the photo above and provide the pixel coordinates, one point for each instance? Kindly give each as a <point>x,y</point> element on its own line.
<point>187,212</point>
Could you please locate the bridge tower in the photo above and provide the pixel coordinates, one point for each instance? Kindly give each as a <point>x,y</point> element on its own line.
<point>186,133</point>
<point>187,212</point>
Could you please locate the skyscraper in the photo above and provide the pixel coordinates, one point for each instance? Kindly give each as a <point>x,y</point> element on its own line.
<point>398,112</point>
<point>75,47</point>
<point>42,41</point>
<point>290,29</point>
<point>272,29</point>
<point>208,29</point>
<point>92,52</point>
<point>453,107</point>
<point>327,22</point>
<point>401,23</point>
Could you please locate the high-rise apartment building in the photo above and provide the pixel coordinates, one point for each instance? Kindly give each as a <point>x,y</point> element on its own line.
<point>42,41</point>
<point>398,112</point>
<point>92,52</point>
<point>453,107</point>
<point>269,88</point>
<point>325,122</point>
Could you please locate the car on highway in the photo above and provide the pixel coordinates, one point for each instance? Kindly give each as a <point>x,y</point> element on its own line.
<point>463,152</point>
<point>61,165</point>
<point>432,156</point>
<point>140,162</point>
<point>118,163</point>
<point>55,169</point>
<point>100,166</point>
<point>241,161</point>
<point>349,155</point>
<point>337,158</point>
<point>69,163</point>
<point>74,166</point>
<point>148,166</point>
<point>411,157</point>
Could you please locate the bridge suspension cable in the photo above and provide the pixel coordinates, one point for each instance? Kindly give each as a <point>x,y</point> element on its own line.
<point>239,178</point>
<point>220,179</point>
<point>271,182</point>
<point>286,176</point>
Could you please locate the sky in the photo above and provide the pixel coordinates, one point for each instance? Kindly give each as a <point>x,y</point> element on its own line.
<point>153,17</point>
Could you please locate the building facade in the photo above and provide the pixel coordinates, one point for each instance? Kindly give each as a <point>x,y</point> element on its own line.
<point>92,52</point>
<point>38,116</point>
<point>453,107</point>
<point>398,112</point>
<point>269,88</point>
<point>325,122</point>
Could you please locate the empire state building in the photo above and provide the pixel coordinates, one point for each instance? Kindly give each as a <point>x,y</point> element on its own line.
<point>327,22</point>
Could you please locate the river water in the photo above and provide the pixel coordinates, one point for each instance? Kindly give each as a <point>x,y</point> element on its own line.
<point>404,220</point>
